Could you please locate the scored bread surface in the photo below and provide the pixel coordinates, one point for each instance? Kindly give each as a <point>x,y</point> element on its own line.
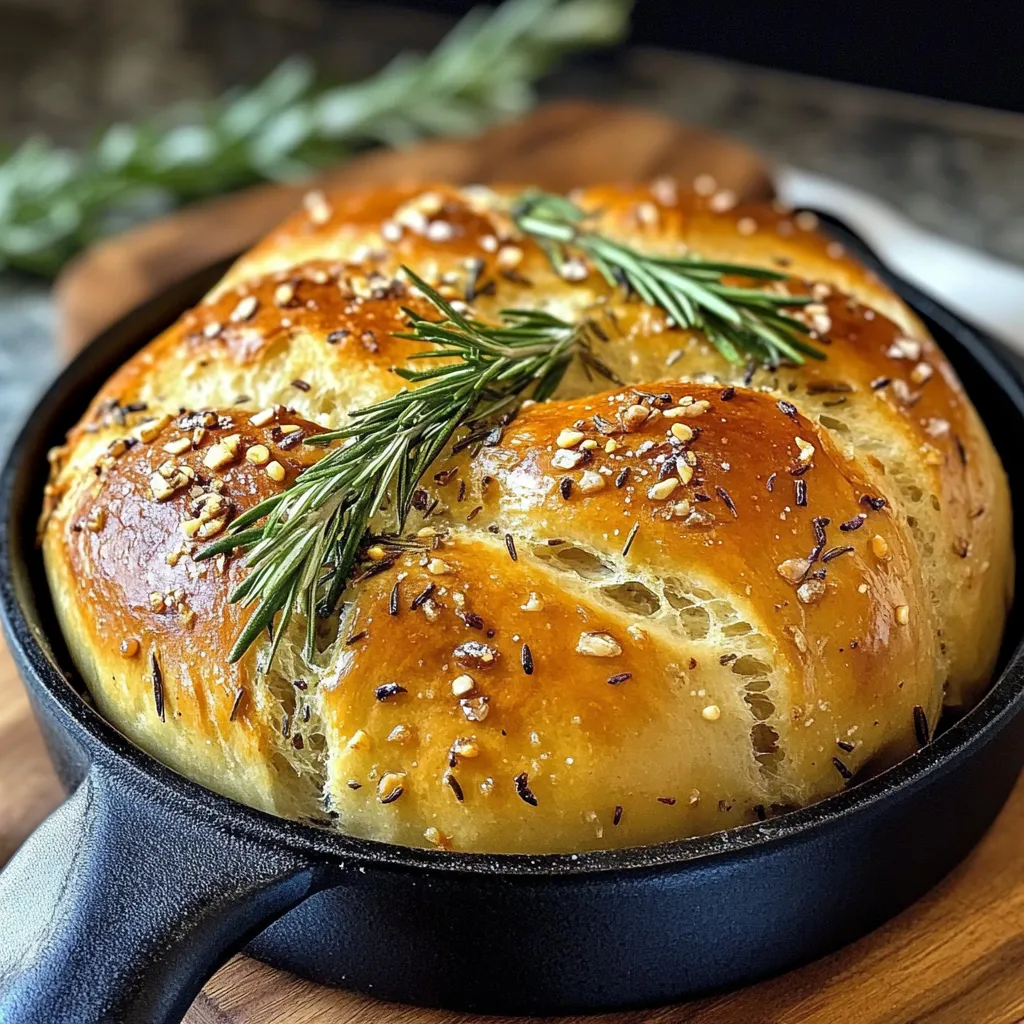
<point>578,653</point>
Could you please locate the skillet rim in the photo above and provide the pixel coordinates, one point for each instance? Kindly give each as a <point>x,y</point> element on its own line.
<point>111,750</point>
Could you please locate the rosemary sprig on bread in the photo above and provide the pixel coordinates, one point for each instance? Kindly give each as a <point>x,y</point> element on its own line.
<point>304,544</point>
<point>743,323</point>
<point>309,541</point>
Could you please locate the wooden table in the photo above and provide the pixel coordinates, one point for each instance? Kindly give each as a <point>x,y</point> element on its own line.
<point>955,957</point>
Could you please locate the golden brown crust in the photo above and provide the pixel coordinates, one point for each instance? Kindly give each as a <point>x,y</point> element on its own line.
<point>896,400</point>
<point>149,619</point>
<point>809,672</point>
<point>637,697</point>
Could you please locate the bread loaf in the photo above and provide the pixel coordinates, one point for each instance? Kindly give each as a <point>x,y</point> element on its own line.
<point>639,612</point>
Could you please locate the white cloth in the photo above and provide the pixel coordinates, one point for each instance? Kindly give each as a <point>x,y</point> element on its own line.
<point>982,288</point>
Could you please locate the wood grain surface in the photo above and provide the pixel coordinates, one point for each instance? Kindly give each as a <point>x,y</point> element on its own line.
<point>955,957</point>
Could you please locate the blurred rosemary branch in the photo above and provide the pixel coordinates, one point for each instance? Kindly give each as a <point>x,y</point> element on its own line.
<point>54,201</point>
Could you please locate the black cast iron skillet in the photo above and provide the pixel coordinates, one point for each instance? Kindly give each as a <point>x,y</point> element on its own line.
<point>129,896</point>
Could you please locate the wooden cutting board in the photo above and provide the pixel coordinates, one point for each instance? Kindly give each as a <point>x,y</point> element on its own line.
<point>955,957</point>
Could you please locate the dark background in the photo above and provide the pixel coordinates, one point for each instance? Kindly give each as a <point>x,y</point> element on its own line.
<point>69,67</point>
<point>967,51</point>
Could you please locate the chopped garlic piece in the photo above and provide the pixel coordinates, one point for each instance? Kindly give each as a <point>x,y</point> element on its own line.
<point>258,455</point>
<point>598,645</point>
<point>663,488</point>
<point>223,452</point>
<point>463,685</point>
<point>569,438</point>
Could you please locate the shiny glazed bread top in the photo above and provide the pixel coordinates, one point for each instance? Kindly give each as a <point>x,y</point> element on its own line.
<point>637,612</point>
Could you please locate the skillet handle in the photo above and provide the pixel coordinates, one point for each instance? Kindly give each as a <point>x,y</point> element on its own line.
<point>117,909</point>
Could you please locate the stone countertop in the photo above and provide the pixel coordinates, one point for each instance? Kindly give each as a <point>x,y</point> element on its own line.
<point>954,169</point>
<point>28,356</point>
